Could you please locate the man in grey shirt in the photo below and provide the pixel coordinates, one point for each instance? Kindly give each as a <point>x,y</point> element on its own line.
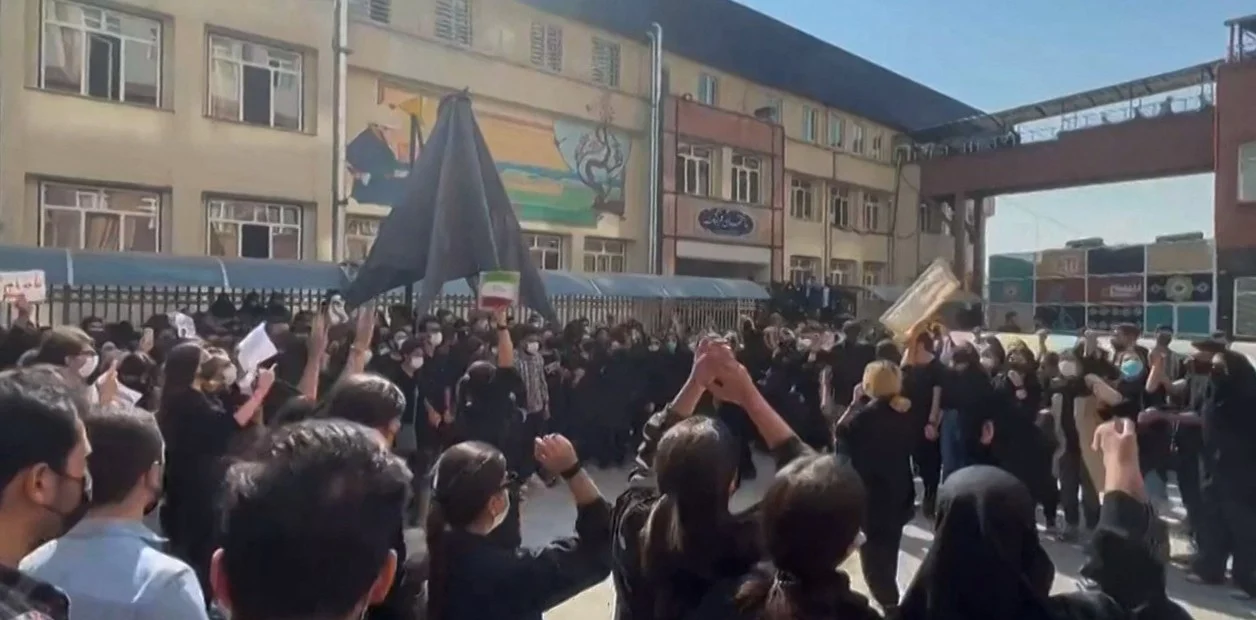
<point>110,564</point>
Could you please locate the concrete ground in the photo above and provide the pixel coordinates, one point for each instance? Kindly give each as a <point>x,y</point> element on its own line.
<point>550,514</point>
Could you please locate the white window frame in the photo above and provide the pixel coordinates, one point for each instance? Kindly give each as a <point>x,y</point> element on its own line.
<point>454,22</point>
<point>1244,291</point>
<point>747,178</point>
<point>836,127</point>
<point>94,199</point>
<point>708,89</point>
<point>271,207</point>
<point>777,105</point>
<point>354,225</point>
<point>607,62</point>
<point>1247,172</point>
<point>839,206</point>
<point>542,246</point>
<point>873,212</point>
<point>811,124</point>
<point>857,132</point>
<point>547,46</point>
<point>876,151</point>
<point>103,26</point>
<point>803,267</point>
<point>802,204</point>
<point>603,253</point>
<point>296,72</point>
<point>842,271</point>
<point>872,274</point>
<point>696,165</point>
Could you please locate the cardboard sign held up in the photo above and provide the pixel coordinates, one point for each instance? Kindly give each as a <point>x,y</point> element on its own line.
<point>29,284</point>
<point>922,299</point>
<point>498,290</point>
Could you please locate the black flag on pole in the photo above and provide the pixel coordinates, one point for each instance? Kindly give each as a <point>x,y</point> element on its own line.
<point>453,220</point>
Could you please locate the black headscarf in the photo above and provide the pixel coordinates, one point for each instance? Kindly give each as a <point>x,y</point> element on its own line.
<point>985,562</point>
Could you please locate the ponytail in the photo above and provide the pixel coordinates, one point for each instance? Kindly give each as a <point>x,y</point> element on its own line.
<point>438,562</point>
<point>767,594</point>
<point>661,534</point>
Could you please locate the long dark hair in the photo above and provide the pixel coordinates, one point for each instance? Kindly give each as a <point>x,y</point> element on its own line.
<point>178,374</point>
<point>810,518</point>
<point>467,475</point>
<point>696,465</point>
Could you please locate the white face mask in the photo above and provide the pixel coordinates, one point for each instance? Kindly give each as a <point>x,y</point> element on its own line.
<point>1068,369</point>
<point>436,338</point>
<point>399,340</point>
<point>229,375</point>
<point>532,347</point>
<point>416,362</point>
<point>805,343</point>
<point>90,362</point>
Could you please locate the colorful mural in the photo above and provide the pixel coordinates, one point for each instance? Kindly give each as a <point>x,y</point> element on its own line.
<point>555,170</point>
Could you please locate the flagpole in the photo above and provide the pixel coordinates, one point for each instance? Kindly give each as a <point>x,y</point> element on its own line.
<point>339,166</point>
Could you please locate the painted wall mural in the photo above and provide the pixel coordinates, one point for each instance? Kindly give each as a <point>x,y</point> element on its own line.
<point>558,171</point>
<point>1151,285</point>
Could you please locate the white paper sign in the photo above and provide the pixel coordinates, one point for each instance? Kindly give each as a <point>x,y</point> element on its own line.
<point>183,324</point>
<point>28,284</point>
<point>255,349</point>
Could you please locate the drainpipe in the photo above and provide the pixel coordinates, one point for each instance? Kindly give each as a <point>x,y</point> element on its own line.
<point>340,78</point>
<point>656,148</point>
<point>890,241</point>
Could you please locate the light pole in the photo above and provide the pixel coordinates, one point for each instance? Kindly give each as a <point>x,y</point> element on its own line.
<point>339,167</point>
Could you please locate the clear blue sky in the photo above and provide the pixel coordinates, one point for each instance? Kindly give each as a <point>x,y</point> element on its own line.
<point>997,54</point>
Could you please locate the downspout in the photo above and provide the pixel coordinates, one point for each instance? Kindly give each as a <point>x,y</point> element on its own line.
<point>890,241</point>
<point>339,166</point>
<point>656,148</point>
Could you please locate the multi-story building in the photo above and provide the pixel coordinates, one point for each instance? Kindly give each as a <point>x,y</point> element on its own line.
<point>206,128</point>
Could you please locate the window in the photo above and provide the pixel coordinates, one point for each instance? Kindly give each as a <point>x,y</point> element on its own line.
<point>254,229</point>
<point>874,220</point>
<point>1245,307</point>
<point>857,138</point>
<point>453,21</point>
<point>930,219</point>
<point>802,202</point>
<point>77,217</point>
<point>839,206</point>
<point>708,89</point>
<point>693,170</point>
<point>605,255</point>
<point>810,124</point>
<point>873,274</point>
<point>360,233</point>
<point>803,267</point>
<point>547,46</point>
<point>835,131</point>
<point>875,150</point>
<point>379,11</point>
<point>746,178</point>
<point>254,83</point>
<point>771,109</point>
<point>1247,172</point>
<point>100,53</point>
<point>546,250</point>
<point>842,272</point>
<point>605,62</point>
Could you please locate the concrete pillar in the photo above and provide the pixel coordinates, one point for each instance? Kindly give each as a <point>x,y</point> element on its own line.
<point>959,228</point>
<point>979,246</point>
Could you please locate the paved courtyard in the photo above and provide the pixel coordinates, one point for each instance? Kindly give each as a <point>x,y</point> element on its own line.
<point>550,514</point>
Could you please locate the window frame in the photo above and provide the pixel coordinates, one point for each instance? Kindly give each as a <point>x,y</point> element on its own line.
<point>847,276</point>
<point>550,56</point>
<point>799,186</point>
<point>839,196</point>
<point>1247,172</point>
<point>445,26</point>
<point>47,19</point>
<point>298,75</point>
<point>836,131</point>
<point>802,267</point>
<point>858,133</point>
<point>81,189</point>
<point>875,269</point>
<point>374,11</point>
<point>222,201</point>
<point>601,252</point>
<point>370,239</point>
<point>871,202</point>
<point>752,175</point>
<point>610,75</point>
<point>708,89</point>
<point>533,243</point>
<point>686,157</point>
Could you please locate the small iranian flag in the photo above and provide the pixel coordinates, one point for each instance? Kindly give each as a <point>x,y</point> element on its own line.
<point>498,290</point>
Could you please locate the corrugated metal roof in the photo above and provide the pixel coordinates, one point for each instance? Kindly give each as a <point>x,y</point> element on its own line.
<point>736,39</point>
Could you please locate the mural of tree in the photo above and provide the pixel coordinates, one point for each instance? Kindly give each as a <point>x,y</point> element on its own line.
<point>600,159</point>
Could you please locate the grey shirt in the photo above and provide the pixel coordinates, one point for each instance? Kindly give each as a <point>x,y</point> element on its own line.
<point>115,570</point>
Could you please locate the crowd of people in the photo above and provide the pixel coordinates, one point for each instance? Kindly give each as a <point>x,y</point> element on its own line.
<point>376,465</point>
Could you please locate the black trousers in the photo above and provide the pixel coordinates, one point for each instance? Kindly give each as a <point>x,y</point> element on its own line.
<point>878,557</point>
<point>1227,527</point>
<point>928,460</point>
<point>1075,481</point>
<point>1188,466</point>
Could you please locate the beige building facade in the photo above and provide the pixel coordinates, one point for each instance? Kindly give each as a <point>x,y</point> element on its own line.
<point>194,128</point>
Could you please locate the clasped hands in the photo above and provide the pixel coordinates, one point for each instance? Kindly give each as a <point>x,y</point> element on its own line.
<point>716,369</point>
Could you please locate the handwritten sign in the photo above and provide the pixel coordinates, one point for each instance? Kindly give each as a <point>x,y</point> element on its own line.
<point>28,284</point>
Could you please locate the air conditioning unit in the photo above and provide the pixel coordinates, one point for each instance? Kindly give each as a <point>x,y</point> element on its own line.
<point>767,113</point>
<point>903,154</point>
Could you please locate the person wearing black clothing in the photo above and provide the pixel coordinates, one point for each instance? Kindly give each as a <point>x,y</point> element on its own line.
<point>849,358</point>
<point>474,578</point>
<point>878,434</point>
<point>923,376</point>
<point>1019,445</point>
<point>986,561</point>
<point>1066,390</point>
<point>970,407</point>
<point>686,472</point>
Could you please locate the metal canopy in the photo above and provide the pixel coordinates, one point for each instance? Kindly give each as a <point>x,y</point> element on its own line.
<point>998,122</point>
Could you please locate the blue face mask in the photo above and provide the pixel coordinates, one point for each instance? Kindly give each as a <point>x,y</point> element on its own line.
<point>1131,369</point>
